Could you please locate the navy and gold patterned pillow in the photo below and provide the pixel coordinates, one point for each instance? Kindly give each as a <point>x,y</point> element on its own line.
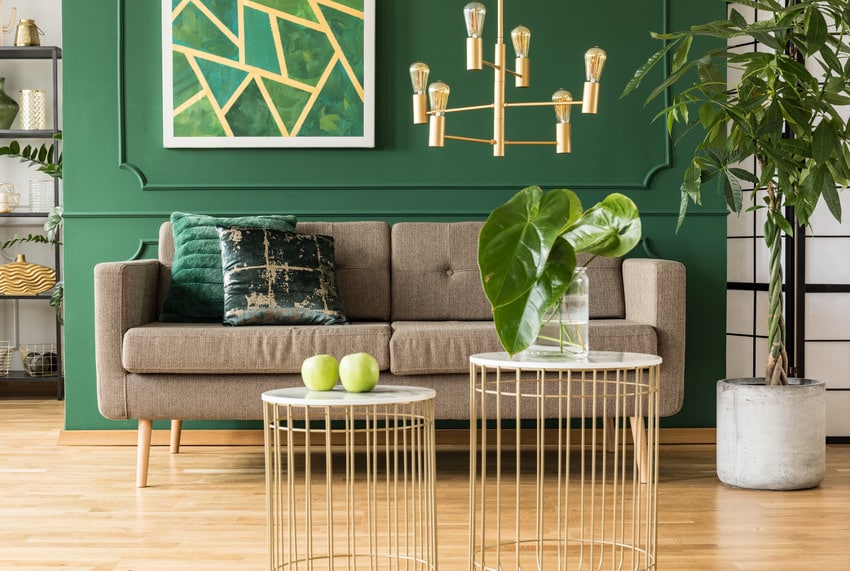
<point>275,277</point>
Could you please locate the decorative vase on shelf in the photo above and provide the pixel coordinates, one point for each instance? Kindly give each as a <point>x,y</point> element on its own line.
<point>564,334</point>
<point>8,107</point>
<point>25,278</point>
<point>32,114</point>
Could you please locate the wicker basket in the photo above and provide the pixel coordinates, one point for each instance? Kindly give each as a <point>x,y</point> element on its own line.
<point>40,359</point>
<point>6,352</point>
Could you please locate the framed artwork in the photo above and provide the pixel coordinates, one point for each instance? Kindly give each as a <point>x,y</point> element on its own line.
<point>268,73</point>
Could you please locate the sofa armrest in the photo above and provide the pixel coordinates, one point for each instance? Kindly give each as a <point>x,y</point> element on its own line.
<point>125,296</point>
<point>655,295</point>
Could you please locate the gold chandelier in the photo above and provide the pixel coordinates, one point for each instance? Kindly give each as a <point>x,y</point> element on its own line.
<point>438,92</point>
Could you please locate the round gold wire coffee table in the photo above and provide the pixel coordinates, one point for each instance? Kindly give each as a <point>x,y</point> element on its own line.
<point>350,479</point>
<point>558,478</point>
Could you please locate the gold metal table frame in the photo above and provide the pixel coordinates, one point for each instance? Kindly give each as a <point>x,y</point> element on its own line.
<point>558,479</point>
<point>350,479</point>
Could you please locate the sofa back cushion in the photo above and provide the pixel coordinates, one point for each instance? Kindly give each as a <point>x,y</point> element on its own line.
<point>435,275</point>
<point>435,272</point>
<point>362,251</point>
<point>607,297</point>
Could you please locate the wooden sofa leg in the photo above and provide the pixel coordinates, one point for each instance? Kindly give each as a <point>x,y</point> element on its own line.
<point>143,452</point>
<point>639,435</point>
<point>176,432</point>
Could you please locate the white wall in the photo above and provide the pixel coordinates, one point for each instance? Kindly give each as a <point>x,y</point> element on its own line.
<point>36,323</point>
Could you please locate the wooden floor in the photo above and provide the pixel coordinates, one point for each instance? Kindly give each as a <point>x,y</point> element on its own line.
<point>76,508</point>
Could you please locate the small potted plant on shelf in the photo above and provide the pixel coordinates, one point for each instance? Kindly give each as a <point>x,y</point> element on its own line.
<point>48,161</point>
<point>527,256</point>
<point>788,120</point>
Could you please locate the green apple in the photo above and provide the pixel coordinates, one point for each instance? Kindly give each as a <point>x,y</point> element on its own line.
<point>358,372</point>
<point>320,372</point>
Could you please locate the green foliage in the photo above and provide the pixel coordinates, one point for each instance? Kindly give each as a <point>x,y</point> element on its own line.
<point>32,238</point>
<point>775,91</point>
<point>57,299</point>
<point>779,113</point>
<point>41,156</point>
<point>527,253</point>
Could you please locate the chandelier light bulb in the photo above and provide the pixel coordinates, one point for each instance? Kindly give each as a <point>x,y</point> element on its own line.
<point>419,73</point>
<point>438,93</point>
<point>594,62</point>
<point>521,37</point>
<point>474,13</point>
<point>563,111</point>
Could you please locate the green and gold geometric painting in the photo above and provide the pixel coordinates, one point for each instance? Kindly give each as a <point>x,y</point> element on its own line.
<point>268,73</point>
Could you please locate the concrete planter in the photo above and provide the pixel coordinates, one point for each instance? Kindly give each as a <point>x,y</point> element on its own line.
<point>771,438</point>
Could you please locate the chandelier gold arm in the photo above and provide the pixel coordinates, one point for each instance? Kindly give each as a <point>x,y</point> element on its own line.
<point>531,142</point>
<point>471,139</point>
<point>541,103</point>
<point>494,66</point>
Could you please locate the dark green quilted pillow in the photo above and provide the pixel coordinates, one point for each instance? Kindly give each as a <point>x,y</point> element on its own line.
<point>196,293</point>
<point>273,277</point>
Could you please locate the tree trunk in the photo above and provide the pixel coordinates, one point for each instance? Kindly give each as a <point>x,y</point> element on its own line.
<point>777,360</point>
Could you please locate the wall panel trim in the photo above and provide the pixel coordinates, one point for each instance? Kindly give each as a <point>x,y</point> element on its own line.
<point>142,179</point>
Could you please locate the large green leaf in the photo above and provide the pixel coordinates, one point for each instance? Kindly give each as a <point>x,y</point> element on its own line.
<point>518,322</point>
<point>611,228</point>
<point>515,242</point>
<point>526,253</point>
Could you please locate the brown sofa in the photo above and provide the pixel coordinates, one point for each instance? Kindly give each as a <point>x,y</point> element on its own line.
<point>413,295</point>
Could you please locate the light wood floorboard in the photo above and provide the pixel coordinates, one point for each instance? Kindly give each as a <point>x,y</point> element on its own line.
<point>77,508</point>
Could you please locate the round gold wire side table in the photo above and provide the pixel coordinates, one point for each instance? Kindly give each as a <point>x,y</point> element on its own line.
<point>350,479</point>
<point>563,462</point>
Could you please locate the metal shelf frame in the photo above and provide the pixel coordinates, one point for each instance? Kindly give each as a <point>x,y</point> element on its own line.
<point>54,55</point>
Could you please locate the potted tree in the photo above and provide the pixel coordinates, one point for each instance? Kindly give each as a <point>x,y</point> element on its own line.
<point>527,254</point>
<point>770,431</point>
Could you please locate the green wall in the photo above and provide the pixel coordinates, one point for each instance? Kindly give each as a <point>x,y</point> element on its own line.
<point>120,183</point>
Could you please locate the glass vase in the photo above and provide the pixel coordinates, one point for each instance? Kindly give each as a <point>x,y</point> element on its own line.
<point>8,107</point>
<point>564,333</point>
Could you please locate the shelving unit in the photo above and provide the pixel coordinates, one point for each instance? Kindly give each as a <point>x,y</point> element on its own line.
<point>52,54</point>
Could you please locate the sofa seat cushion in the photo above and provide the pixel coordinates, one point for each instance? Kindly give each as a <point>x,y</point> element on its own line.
<point>211,348</point>
<point>439,347</point>
<point>622,335</point>
<point>444,347</point>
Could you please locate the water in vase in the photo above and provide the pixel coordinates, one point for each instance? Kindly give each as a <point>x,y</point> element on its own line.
<point>564,333</point>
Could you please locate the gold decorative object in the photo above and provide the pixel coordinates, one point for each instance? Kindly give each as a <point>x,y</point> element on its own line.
<point>24,278</point>
<point>438,92</point>
<point>6,28</point>
<point>10,198</point>
<point>27,33</point>
<point>32,115</point>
